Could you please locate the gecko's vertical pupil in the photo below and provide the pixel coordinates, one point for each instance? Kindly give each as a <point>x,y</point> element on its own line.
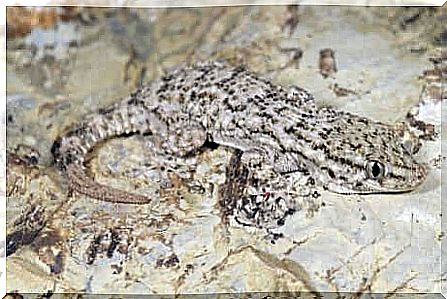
<point>376,169</point>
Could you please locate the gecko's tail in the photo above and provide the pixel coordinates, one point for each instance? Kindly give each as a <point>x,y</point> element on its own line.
<point>70,150</point>
<point>82,183</point>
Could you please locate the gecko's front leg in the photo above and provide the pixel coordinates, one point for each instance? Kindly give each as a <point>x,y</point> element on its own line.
<point>257,195</point>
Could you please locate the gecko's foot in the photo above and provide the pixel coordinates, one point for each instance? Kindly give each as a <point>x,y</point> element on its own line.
<point>257,195</point>
<point>267,210</point>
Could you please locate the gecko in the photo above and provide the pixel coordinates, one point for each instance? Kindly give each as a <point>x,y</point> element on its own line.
<point>275,132</point>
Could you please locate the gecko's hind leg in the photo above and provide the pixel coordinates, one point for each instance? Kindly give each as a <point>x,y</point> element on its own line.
<point>176,152</point>
<point>183,138</point>
<point>162,164</point>
<point>256,195</point>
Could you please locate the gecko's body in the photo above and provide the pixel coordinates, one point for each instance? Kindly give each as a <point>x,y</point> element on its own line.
<point>269,125</point>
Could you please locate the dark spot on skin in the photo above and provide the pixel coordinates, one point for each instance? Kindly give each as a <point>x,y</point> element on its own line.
<point>322,135</point>
<point>311,181</point>
<point>106,110</point>
<point>356,146</point>
<point>211,145</point>
<point>33,160</point>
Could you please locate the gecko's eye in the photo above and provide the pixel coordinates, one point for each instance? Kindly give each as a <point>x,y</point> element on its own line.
<point>375,169</point>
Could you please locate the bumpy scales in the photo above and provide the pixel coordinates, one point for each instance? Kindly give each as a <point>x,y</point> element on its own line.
<point>275,130</point>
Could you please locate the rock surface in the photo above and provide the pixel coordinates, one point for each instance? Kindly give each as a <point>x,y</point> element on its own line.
<point>360,244</point>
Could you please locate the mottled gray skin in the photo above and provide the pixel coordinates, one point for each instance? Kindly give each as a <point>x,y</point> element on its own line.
<point>276,131</point>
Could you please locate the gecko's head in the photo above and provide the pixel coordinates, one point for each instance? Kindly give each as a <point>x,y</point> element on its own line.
<point>371,157</point>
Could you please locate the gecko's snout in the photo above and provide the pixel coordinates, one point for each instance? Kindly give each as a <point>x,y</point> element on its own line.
<point>418,175</point>
<point>401,179</point>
